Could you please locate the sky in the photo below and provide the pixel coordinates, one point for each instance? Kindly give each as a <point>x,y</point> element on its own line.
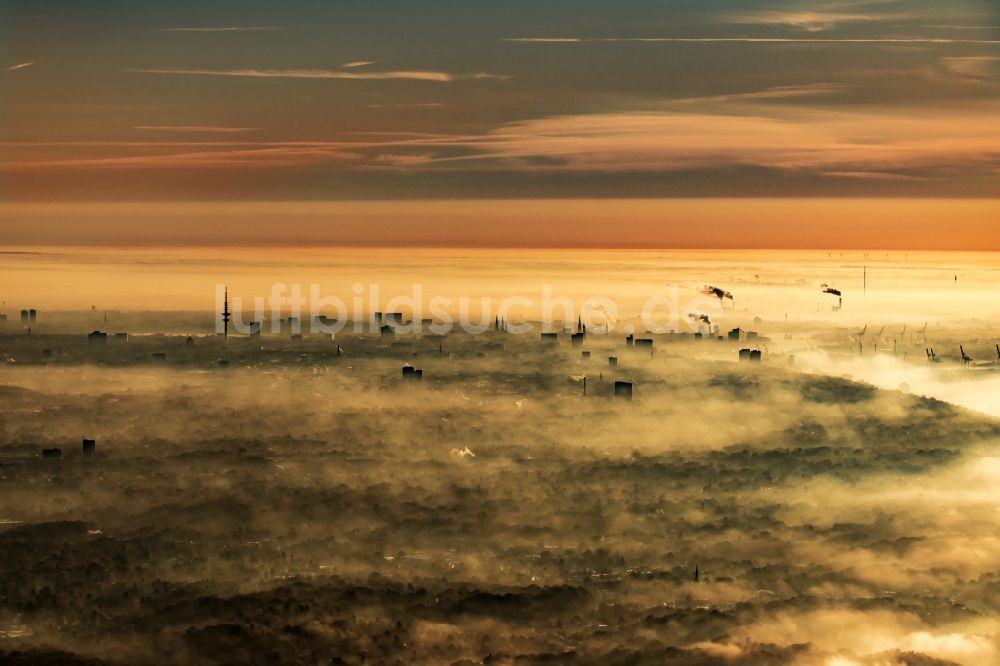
<point>883,101</point>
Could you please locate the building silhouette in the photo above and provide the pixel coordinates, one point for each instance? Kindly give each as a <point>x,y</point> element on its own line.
<point>623,390</point>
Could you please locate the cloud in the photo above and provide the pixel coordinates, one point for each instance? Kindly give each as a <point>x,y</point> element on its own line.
<point>754,40</point>
<point>774,92</point>
<point>265,156</point>
<point>973,67</point>
<point>357,63</point>
<point>229,154</point>
<point>403,105</point>
<point>810,21</point>
<point>234,28</point>
<point>965,27</point>
<point>872,175</point>
<point>872,144</point>
<point>817,17</point>
<point>772,137</point>
<point>21,65</point>
<point>196,129</point>
<point>411,75</point>
<point>547,40</point>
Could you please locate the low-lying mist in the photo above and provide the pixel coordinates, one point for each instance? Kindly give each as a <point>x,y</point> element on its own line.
<point>293,505</point>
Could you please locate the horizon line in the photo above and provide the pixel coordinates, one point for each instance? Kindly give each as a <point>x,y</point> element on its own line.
<point>6,248</point>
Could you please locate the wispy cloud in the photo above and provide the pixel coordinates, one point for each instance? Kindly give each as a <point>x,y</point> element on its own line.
<point>873,175</point>
<point>265,156</point>
<point>231,28</point>
<point>412,75</point>
<point>547,40</point>
<point>230,154</point>
<point>20,65</point>
<point>872,144</point>
<point>357,63</point>
<point>810,21</point>
<point>965,27</point>
<point>751,40</point>
<point>772,93</point>
<point>197,129</point>
<point>819,16</point>
<point>974,67</point>
<point>407,105</point>
<point>792,138</point>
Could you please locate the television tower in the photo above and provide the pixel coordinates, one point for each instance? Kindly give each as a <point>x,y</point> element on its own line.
<point>225,315</point>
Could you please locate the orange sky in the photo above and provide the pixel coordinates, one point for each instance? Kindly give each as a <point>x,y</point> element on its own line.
<point>732,123</point>
<point>928,224</point>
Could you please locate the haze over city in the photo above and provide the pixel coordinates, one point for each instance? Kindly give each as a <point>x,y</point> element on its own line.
<point>384,332</point>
